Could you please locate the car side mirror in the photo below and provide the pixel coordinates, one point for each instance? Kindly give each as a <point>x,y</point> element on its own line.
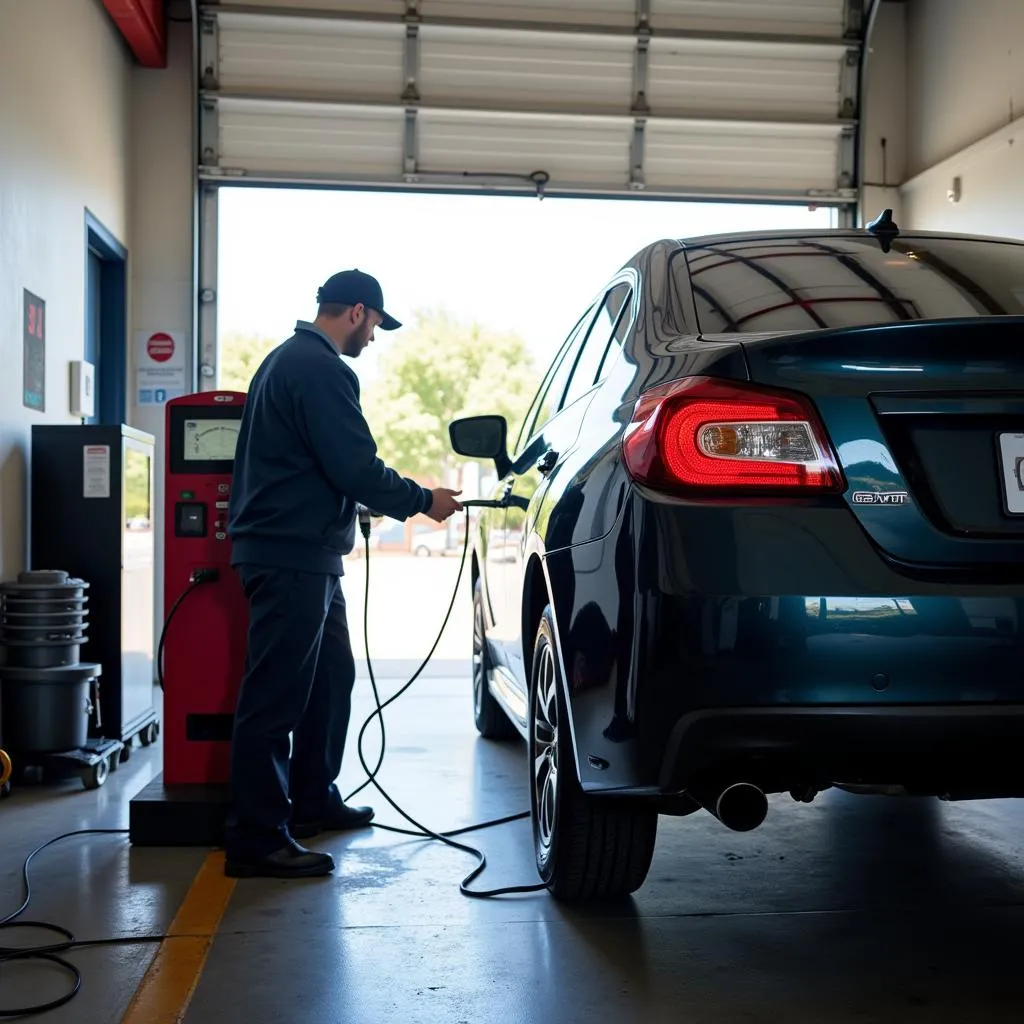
<point>482,437</point>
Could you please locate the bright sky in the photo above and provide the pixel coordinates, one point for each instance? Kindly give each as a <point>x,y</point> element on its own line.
<point>511,263</point>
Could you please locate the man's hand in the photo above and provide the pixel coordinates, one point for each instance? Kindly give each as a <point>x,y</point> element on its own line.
<point>444,504</point>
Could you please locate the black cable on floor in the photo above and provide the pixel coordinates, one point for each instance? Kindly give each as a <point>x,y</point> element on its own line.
<point>68,942</point>
<point>11,954</point>
<point>371,776</point>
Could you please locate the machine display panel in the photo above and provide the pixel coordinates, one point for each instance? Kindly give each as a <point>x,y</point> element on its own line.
<point>210,440</point>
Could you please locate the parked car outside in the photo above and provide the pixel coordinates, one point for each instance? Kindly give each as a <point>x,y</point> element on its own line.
<point>767,522</point>
<point>430,541</point>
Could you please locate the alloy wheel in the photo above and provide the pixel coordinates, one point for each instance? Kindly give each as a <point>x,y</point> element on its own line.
<point>479,666</point>
<point>545,747</point>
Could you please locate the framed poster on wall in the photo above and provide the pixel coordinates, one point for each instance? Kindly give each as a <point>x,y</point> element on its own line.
<point>34,341</point>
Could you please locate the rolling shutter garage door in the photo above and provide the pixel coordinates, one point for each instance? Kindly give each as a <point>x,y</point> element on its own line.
<point>751,99</point>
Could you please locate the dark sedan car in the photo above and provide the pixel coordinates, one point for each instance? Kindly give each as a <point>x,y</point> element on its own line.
<point>762,531</point>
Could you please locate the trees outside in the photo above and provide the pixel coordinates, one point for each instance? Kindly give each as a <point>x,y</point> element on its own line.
<point>138,499</point>
<point>240,356</point>
<point>434,371</point>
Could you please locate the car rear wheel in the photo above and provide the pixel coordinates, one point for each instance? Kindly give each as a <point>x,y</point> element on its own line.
<point>491,722</point>
<point>587,848</point>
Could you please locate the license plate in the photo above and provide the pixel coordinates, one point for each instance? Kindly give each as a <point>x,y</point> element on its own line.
<point>1011,448</point>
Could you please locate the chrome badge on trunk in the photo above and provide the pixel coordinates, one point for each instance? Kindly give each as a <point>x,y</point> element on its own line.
<point>880,498</point>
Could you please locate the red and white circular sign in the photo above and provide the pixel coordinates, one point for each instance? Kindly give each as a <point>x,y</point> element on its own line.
<point>160,347</point>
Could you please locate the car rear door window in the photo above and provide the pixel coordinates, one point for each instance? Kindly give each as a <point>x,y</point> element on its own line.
<point>591,355</point>
<point>620,314</point>
<point>525,428</point>
<point>548,399</point>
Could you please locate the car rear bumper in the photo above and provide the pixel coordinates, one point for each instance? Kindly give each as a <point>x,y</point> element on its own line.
<point>967,750</point>
<point>687,620</point>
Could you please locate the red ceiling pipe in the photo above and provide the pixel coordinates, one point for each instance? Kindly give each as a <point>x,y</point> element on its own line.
<point>143,23</point>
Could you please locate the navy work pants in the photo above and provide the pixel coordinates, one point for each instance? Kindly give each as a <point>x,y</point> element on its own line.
<point>298,683</point>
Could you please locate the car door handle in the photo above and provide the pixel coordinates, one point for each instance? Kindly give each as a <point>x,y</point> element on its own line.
<point>547,461</point>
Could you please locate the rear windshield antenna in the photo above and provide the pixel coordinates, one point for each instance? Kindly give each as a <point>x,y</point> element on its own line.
<point>884,228</point>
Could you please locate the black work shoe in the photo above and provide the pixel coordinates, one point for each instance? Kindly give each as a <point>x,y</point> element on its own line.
<point>337,819</point>
<point>291,861</point>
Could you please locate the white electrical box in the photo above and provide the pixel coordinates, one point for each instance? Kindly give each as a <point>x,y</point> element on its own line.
<point>83,389</point>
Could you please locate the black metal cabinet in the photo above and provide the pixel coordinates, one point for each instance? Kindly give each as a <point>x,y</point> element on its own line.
<point>92,515</point>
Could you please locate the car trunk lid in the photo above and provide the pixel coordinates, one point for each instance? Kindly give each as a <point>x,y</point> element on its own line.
<point>927,420</point>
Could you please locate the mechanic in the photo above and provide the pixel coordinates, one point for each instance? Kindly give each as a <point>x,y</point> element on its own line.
<point>304,459</point>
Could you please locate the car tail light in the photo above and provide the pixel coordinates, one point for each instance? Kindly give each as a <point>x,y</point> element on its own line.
<point>701,435</point>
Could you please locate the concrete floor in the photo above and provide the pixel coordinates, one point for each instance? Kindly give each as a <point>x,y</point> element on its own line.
<point>850,909</point>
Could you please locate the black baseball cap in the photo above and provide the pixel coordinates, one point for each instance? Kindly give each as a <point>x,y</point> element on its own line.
<point>353,287</point>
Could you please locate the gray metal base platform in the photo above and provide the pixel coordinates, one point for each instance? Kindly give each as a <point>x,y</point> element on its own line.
<point>183,815</point>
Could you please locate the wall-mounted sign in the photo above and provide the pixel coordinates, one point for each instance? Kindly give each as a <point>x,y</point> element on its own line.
<point>34,344</point>
<point>160,366</point>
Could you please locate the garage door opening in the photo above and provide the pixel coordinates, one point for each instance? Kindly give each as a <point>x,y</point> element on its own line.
<point>503,265</point>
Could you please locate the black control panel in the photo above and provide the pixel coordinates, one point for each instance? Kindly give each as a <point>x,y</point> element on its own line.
<point>190,519</point>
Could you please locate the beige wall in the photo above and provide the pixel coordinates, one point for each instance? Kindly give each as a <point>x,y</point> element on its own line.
<point>965,74</point>
<point>884,114</point>
<point>64,120</point>
<point>965,116</point>
<point>162,227</point>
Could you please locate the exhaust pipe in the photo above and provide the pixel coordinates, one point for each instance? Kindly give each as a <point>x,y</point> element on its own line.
<point>741,806</point>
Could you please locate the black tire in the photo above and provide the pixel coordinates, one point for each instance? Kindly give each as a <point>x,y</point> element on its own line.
<point>587,848</point>
<point>491,721</point>
<point>148,735</point>
<point>94,776</point>
<point>126,752</point>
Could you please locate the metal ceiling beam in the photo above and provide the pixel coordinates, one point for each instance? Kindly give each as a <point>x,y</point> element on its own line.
<point>850,92</point>
<point>427,181</point>
<point>548,27</point>
<point>641,108</point>
<point>209,221</point>
<point>209,78</point>
<point>143,23</point>
<point>411,92</point>
<point>582,113</point>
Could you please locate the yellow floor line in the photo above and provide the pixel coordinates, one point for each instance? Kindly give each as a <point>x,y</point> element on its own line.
<point>167,986</point>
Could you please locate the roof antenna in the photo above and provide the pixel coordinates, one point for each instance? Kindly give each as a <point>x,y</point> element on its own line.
<point>884,228</point>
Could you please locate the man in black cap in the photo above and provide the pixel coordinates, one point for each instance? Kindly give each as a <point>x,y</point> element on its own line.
<point>304,459</point>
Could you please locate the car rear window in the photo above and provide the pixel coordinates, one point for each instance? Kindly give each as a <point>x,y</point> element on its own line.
<point>801,284</point>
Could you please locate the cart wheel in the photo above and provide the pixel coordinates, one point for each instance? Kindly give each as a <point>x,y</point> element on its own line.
<point>126,752</point>
<point>148,735</point>
<point>114,761</point>
<point>5,790</point>
<point>95,775</point>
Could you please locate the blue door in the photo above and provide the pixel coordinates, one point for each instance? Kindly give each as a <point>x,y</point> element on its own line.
<point>106,319</point>
<point>93,308</point>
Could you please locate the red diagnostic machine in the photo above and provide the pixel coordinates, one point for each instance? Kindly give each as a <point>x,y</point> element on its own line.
<point>205,610</point>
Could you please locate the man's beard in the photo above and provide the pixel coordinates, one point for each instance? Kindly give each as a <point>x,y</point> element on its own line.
<point>359,339</point>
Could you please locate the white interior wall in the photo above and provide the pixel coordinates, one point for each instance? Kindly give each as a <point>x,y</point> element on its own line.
<point>884,114</point>
<point>965,74</point>
<point>965,101</point>
<point>162,231</point>
<point>64,121</point>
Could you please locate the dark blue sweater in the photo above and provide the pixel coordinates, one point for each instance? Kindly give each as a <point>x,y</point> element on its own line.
<point>305,457</point>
